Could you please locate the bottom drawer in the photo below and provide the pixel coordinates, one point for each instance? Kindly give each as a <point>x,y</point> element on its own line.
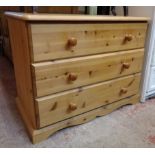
<point>60,106</point>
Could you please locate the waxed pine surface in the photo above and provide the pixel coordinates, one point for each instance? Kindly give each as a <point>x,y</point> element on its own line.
<point>130,126</point>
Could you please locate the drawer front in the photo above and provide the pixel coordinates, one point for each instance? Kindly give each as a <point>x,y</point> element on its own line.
<point>60,75</point>
<point>57,107</point>
<point>55,41</point>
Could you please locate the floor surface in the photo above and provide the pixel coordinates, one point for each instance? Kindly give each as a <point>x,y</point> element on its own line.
<point>130,126</point>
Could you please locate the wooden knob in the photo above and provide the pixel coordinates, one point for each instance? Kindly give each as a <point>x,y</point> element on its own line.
<point>72,41</point>
<point>123,91</point>
<point>72,106</point>
<point>128,37</point>
<point>72,77</point>
<point>126,65</point>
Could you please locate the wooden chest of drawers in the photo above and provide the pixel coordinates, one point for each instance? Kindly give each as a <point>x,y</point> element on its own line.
<point>71,69</point>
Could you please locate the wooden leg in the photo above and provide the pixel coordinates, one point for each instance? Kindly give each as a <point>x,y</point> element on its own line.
<point>43,133</point>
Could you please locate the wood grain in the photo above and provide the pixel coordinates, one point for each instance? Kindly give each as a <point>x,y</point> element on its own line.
<point>72,18</point>
<point>21,61</point>
<point>50,41</point>
<point>44,133</point>
<point>87,66</point>
<point>67,104</point>
<point>52,77</point>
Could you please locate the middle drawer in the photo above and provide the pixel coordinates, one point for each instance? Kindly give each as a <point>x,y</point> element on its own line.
<point>55,76</point>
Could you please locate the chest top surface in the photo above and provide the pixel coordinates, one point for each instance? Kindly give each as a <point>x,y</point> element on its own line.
<point>65,18</point>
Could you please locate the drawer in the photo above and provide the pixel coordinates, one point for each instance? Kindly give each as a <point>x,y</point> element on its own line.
<point>51,77</point>
<point>55,41</point>
<point>57,107</point>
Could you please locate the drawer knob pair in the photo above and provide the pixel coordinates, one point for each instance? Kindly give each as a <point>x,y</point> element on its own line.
<point>72,106</point>
<point>72,42</point>
<point>72,77</point>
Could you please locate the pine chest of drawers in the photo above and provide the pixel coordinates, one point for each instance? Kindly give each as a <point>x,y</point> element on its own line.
<point>70,69</point>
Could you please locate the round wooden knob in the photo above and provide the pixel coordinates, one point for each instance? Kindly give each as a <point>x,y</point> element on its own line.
<point>128,37</point>
<point>126,65</point>
<point>72,106</point>
<point>123,91</point>
<point>72,77</point>
<point>72,41</point>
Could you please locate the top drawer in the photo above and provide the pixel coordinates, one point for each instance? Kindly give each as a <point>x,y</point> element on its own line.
<point>55,41</point>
